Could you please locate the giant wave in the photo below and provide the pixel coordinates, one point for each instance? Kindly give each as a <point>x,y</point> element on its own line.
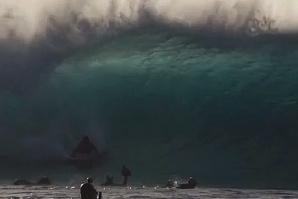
<point>204,88</point>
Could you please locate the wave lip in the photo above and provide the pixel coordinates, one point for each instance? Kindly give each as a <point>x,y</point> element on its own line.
<point>44,33</point>
<point>30,19</point>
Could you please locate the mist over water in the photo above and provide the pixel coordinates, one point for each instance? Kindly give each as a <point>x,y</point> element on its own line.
<point>203,88</point>
<point>42,34</point>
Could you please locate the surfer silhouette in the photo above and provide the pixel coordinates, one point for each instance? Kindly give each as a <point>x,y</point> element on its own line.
<point>84,147</point>
<point>125,172</point>
<point>88,191</point>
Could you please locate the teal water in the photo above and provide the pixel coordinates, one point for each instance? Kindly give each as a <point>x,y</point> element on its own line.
<point>163,97</point>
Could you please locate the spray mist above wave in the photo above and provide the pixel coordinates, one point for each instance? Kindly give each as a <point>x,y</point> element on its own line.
<point>29,19</point>
<point>44,33</point>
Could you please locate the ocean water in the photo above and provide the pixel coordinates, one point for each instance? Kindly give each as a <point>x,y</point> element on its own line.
<point>169,88</point>
<point>144,192</point>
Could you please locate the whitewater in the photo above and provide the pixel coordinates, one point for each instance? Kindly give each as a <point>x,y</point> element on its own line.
<point>144,192</point>
<point>167,87</point>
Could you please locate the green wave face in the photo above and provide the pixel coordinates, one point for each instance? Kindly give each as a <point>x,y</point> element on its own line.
<point>163,99</point>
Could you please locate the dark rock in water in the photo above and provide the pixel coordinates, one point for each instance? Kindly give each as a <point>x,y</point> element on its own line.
<point>22,182</point>
<point>191,184</point>
<point>44,181</point>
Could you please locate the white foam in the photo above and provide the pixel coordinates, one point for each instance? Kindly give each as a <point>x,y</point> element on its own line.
<point>28,19</point>
<point>134,192</point>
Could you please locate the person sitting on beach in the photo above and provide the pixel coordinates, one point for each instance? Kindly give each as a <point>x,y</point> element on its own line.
<point>191,184</point>
<point>88,191</point>
<point>42,181</point>
<point>84,147</point>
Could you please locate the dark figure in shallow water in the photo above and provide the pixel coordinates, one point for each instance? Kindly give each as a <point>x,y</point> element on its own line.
<point>42,181</point>
<point>191,184</point>
<point>109,181</point>
<point>88,191</point>
<point>125,173</point>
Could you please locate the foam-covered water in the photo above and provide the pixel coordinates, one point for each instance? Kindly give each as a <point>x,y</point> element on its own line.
<point>202,88</point>
<point>111,193</point>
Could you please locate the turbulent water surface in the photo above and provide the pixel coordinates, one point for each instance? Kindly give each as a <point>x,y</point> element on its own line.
<point>201,88</point>
<point>112,193</point>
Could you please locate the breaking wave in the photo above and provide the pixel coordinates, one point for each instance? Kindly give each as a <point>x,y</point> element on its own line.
<point>202,88</point>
